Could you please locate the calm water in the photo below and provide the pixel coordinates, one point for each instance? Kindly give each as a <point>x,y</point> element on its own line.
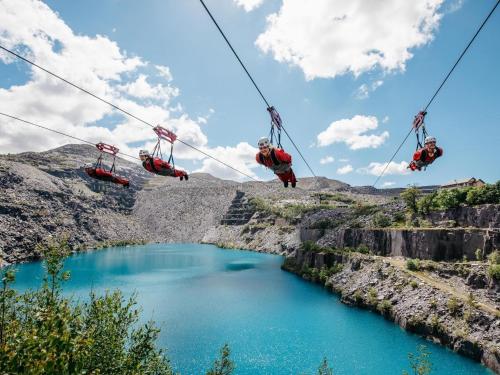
<point>275,322</point>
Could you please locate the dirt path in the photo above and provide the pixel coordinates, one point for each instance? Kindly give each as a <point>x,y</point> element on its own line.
<point>445,287</point>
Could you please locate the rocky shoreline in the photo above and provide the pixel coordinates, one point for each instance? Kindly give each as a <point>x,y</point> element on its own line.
<point>452,316</point>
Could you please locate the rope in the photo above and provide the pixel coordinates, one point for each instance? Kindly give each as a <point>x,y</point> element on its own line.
<point>253,81</point>
<point>121,110</point>
<point>60,133</point>
<point>440,86</point>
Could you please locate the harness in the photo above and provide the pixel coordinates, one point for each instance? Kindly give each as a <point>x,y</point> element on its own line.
<point>275,126</point>
<point>419,126</point>
<point>106,149</point>
<point>277,166</point>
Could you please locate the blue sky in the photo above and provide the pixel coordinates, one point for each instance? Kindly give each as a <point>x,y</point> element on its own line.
<point>217,97</point>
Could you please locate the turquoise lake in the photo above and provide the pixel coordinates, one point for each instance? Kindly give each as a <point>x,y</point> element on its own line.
<point>274,322</point>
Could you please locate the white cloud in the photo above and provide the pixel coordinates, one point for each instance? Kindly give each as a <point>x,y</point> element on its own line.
<point>345,169</point>
<point>393,168</point>
<point>385,120</point>
<point>164,71</point>
<point>454,5</point>
<point>388,183</point>
<point>335,37</point>
<point>140,88</point>
<point>327,160</point>
<point>242,157</point>
<point>364,90</point>
<point>351,132</point>
<point>344,160</point>
<point>102,67</point>
<point>249,5</point>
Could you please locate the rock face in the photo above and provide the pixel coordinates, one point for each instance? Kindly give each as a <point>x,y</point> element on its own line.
<point>429,308</point>
<point>328,228</point>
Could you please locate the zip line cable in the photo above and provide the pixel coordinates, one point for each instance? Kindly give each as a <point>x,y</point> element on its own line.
<point>253,81</point>
<point>122,110</point>
<point>59,132</point>
<point>440,86</point>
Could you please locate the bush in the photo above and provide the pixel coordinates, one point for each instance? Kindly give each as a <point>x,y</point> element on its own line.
<point>450,198</point>
<point>311,246</point>
<point>224,365</point>
<point>410,197</point>
<point>484,194</point>
<point>479,255</point>
<point>426,204</point>
<point>413,284</point>
<point>494,271</point>
<point>453,305</point>
<point>363,249</point>
<point>372,296</point>
<point>413,264</point>
<point>494,257</point>
<point>385,306</point>
<point>381,220</point>
<point>43,332</point>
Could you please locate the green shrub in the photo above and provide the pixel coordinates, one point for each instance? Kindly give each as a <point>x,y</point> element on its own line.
<point>413,284</point>
<point>384,306</point>
<point>413,264</point>
<point>358,296</point>
<point>372,296</point>
<point>426,204</point>
<point>420,363</point>
<point>363,249</point>
<point>311,246</point>
<point>494,271</point>
<point>484,194</point>
<point>224,365</point>
<point>324,368</point>
<point>44,332</point>
<point>381,220</point>
<point>494,257</point>
<point>479,255</point>
<point>453,305</point>
<point>410,197</point>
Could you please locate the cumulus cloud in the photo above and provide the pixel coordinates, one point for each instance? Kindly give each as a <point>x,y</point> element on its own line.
<point>327,160</point>
<point>102,67</point>
<point>242,157</point>
<point>249,5</point>
<point>336,37</point>
<point>393,168</point>
<point>345,169</point>
<point>352,133</point>
<point>364,90</point>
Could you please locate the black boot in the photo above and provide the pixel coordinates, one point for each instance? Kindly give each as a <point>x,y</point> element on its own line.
<point>294,183</point>
<point>285,183</point>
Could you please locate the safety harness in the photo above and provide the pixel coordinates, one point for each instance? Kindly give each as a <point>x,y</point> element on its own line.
<point>106,149</point>
<point>275,131</point>
<point>277,166</point>
<point>419,127</point>
<point>170,137</point>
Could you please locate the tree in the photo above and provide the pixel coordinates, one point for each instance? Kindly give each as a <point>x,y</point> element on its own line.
<point>410,197</point>
<point>324,369</point>
<point>420,363</point>
<point>224,365</point>
<point>44,332</point>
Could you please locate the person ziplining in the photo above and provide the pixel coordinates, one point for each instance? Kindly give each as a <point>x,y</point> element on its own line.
<point>99,172</point>
<point>154,162</point>
<point>428,152</point>
<point>275,158</point>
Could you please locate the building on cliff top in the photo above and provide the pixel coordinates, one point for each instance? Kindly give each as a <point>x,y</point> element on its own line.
<point>463,183</point>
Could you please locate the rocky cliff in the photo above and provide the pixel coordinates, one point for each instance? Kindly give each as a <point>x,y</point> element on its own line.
<point>456,305</point>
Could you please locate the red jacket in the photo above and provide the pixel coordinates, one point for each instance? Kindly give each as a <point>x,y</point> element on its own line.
<point>162,168</point>
<point>278,160</point>
<point>421,158</point>
<point>103,175</point>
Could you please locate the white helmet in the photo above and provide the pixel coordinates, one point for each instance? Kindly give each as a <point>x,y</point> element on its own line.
<point>88,165</point>
<point>430,140</point>
<point>264,142</point>
<point>144,153</point>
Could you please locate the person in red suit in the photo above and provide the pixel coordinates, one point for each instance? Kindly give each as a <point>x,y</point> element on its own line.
<point>426,155</point>
<point>101,174</point>
<point>277,160</point>
<point>160,167</point>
